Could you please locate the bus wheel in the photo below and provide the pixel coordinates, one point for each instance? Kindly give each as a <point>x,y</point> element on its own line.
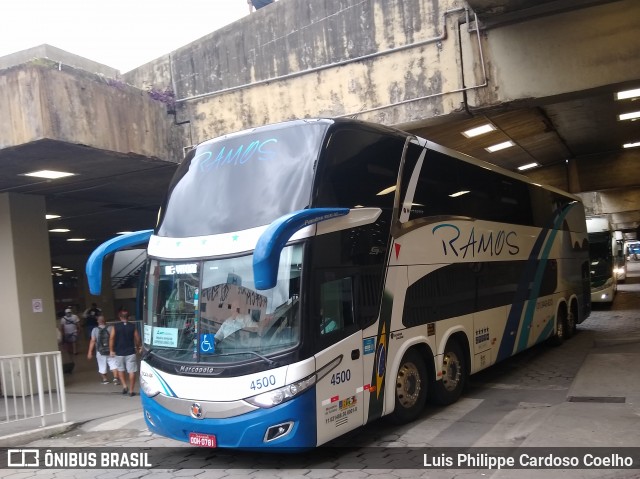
<point>454,375</point>
<point>561,328</point>
<point>411,388</point>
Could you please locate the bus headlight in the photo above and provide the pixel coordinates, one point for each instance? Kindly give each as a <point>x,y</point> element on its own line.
<point>148,388</point>
<point>283,394</point>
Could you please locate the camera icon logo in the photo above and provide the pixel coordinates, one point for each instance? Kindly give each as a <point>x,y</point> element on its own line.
<point>23,458</point>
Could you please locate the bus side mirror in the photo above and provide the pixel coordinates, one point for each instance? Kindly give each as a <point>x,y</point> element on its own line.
<point>266,256</point>
<point>94,263</point>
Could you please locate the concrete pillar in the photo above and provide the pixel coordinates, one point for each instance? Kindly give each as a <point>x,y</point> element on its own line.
<point>26,291</point>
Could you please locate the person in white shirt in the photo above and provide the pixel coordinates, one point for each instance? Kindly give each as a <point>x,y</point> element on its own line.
<point>70,329</point>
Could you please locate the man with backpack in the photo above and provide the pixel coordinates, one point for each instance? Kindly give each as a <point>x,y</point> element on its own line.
<point>100,339</point>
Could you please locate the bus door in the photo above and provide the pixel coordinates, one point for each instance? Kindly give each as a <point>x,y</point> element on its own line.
<point>339,391</point>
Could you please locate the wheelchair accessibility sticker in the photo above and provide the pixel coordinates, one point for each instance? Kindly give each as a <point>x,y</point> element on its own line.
<point>207,343</point>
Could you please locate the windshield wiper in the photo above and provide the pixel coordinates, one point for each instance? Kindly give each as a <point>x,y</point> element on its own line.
<point>264,358</point>
<point>146,354</point>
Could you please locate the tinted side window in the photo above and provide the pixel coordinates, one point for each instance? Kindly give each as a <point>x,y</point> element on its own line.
<point>345,286</point>
<point>336,305</point>
<point>448,186</point>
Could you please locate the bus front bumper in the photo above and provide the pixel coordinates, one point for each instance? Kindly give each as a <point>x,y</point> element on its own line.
<point>604,293</point>
<point>247,431</point>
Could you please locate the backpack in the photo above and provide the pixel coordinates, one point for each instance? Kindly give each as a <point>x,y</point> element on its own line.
<point>103,341</point>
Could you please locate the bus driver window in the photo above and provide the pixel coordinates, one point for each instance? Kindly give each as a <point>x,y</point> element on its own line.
<point>336,305</point>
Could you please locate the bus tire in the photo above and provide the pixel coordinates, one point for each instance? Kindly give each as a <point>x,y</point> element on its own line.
<point>561,328</point>
<point>411,388</point>
<point>454,376</point>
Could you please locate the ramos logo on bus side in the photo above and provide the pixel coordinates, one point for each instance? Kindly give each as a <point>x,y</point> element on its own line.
<point>491,242</point>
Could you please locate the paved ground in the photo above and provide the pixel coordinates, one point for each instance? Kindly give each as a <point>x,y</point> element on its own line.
<point>585,393</point>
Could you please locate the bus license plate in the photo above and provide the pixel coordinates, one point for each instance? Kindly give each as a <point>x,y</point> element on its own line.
<point>202,440</point>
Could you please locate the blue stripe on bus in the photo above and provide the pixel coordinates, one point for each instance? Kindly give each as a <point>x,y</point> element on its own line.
<point>526,294</point>
<point>535,293</point>
<point>521,296</point>
<point>246,431</point>
<point>167,389</point>
<point>535,290</point>
<point>546,331</point>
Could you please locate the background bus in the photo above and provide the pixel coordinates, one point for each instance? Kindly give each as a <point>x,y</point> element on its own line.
<point>606,256</point>
<point>309,277</point>
<point>620,262</point>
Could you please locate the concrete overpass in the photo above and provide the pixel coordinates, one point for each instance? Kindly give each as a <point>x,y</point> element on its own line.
<point>544,74</point>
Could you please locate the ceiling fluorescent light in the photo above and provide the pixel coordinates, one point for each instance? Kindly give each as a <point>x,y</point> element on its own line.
<point>59,230</point>
<point>386,191</point>
<point>528,166</point>
<point>634,115</point>
<point>631,145</point>
<point>479,130</point>
<point>500,146</point>
<point>627,94</point>
<point>77,239</point>
<point>459,193</point>
<point>49,174</point>
<point>52,217</point>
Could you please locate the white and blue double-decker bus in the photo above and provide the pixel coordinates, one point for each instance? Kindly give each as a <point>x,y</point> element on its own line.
<point>308,277</point>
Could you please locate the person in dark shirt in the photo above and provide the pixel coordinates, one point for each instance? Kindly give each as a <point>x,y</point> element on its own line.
<point>124,344</point>
<point>91,319</point>
<point>258,4</point>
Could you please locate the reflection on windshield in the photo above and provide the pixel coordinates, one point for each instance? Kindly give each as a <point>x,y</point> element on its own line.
<point>210,311</point>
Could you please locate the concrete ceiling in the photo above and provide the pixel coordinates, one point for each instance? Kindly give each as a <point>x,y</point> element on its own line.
<point>547,134</point>
<point>109,192</point>
<point>500,12</point>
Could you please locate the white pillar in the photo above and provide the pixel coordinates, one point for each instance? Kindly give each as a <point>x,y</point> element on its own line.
<point>26,290</point>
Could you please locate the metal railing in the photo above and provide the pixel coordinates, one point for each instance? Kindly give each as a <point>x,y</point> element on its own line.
<point>32,387</point>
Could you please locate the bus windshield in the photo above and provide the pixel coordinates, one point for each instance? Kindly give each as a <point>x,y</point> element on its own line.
<point>210,311</point>
<point>601,256</point>
<point>242,181</point>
